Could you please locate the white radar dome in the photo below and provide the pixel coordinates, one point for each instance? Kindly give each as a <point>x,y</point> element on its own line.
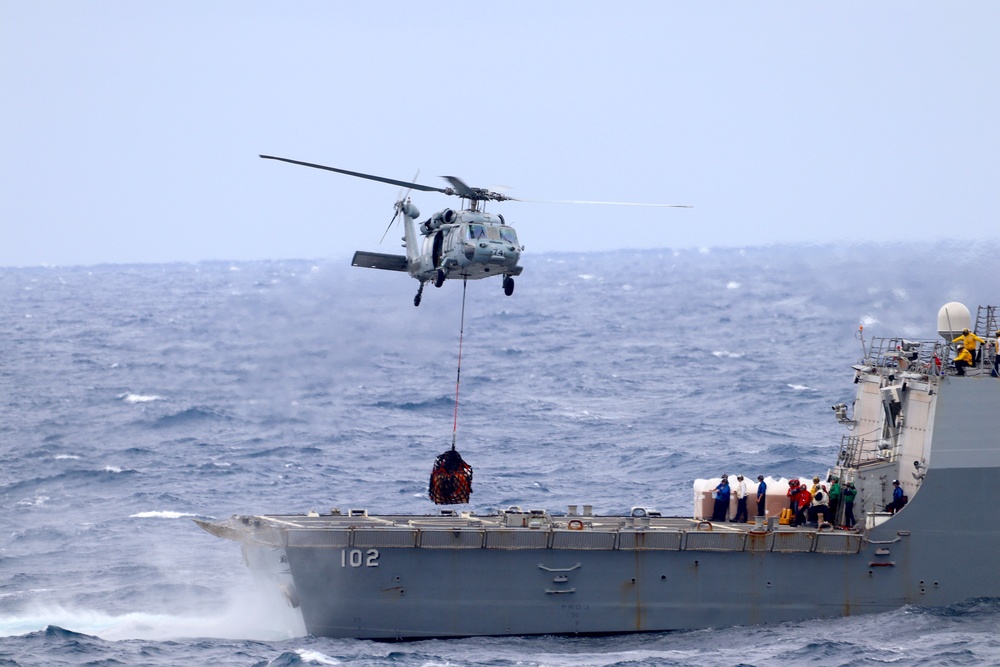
<point>952,319</point>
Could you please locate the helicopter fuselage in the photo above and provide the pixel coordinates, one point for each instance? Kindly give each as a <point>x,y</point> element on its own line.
<point>465,244</point>
<point>450,244</point>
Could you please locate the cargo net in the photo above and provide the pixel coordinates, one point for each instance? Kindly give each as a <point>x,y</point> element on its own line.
<point>451,479</point>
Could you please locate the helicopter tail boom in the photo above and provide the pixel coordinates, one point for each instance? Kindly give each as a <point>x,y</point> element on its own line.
<point>378,260</point>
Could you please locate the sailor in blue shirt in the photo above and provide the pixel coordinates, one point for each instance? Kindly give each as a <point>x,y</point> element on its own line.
<point>761,495</point>
<point>898,499</point>
<point>721,508</point>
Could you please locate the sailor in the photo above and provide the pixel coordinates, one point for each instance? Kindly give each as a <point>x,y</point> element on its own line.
<point>793,490</point>
<point>850,493</point>
<point>996,355</point>
<point>804,499</point>
<point>968,341</point>
<point>963,360</point>
<point>898,499</point>
<point>721,495</point>
<point>761,495</point>
<point>741,500</point>
<point>820,505</point>
<point>835,495</point>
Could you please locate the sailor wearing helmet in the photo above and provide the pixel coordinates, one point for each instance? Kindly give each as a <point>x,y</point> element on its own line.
<point>968,341</point>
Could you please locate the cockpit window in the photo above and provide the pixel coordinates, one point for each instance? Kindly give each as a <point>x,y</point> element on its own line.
<point>507,235</point>
<point>477,231</point>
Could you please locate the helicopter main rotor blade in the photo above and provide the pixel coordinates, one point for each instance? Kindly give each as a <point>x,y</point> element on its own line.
<point>390,181</point>
<point>461,188</point>
<point>603,203</point>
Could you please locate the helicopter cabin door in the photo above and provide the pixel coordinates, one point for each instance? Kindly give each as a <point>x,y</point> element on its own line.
<point>436,248</point>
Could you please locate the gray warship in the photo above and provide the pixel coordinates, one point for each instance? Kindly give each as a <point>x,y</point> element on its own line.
<point>531,571</point>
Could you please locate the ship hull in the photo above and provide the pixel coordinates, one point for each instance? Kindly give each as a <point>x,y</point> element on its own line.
<point>424,593</point>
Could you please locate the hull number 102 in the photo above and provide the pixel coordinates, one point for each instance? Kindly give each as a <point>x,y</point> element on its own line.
<point>357,558</point>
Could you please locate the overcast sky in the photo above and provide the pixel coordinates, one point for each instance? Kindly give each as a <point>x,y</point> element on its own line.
<point>131,130</point>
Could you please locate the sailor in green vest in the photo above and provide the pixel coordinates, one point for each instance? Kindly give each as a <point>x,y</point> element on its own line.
<point>850,493</point>
<point>835,494</point>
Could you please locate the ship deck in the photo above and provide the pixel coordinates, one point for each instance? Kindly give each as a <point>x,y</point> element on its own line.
<point>533,529</point>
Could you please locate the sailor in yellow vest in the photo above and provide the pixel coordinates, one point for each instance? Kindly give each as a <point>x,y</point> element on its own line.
<point>963,360</point>
<point>996,355</point>
<point>969,340</point>
<point>966,356</point>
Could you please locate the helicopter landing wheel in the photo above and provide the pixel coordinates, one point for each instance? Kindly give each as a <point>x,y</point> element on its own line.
<point>420,292</point>
<point>508,285</point>
<point>439,278</point>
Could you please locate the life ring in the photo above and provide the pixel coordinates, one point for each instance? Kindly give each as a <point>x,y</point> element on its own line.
<point>575,524</point>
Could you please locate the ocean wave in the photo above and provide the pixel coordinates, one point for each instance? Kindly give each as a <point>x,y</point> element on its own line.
<point>162,514</point>
<point>417,406</point>
<point>33,502</point>
<point>190,416</point>
<point>132,399</point>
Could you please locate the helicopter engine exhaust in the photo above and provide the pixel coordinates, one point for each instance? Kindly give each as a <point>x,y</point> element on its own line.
<point>445,217</point>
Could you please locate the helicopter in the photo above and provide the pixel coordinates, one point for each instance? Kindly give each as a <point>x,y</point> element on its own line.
<point>467,244</point>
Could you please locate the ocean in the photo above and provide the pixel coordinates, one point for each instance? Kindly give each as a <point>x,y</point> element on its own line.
<point>135,398</point>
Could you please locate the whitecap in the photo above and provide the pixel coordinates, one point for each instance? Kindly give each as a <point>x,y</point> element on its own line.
<point>317,657</point>
<point>132,399</point>
<point>160,515</point>
<point>60,457</point>
<point>114,469</point>
<point>33,502</point>
<point>727,355</point>
<point>801,387</point>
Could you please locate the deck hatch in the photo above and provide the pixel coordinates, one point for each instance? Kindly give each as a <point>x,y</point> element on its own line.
<point>758,542</point>
<point>580,539</point>
<point>517,539</point>
<point>838,543</point>
<point>714,541</point>
<point>792,542</point>
<point>649,540</point>
<point>451,539</point>
<point>318,538</point>
<point>384,537</point>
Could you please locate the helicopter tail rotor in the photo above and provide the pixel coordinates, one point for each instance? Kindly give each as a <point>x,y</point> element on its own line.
<point>394,216</point>
<point>402,204</point>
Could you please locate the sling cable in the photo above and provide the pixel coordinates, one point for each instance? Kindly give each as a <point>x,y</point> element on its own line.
<point>451,477</point>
